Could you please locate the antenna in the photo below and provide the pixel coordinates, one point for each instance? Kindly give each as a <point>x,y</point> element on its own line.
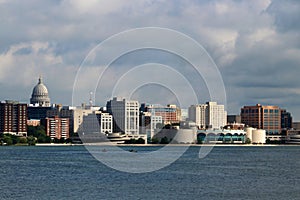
<point>91,100</point>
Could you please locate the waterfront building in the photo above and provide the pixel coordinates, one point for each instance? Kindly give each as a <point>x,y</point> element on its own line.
<point>74,114</point>
<point>262,117</point>
<point>40,96</point>
<point>13,118</point>
<point>209,115</point>
<point>97,122</point>
<point>170,114</point>
<point>56,127</point>
<point>221,136</point>
<point>125,115</point>
<point>119,138</point>
<point>184,114</point>
<point>286,119</point>
<point>106,122</point>
<point>150,124</point>
<point>293,137</point>
<point>296,125</point>
<point>256,136</point>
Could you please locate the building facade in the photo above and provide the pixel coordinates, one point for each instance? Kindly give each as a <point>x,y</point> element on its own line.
<point>125,115</point>
<point>40,96</point>
<point>234,119</point>
<point>13,118</point>
<point>150,124</point>
<point>106,122</point>
<point>262,117</point>
<point>56,127</point>
<point>286,119</point>
<point>170,114</point>
<point>209,115</point>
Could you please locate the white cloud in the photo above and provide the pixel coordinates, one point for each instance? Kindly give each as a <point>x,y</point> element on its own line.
<point>249,40</point>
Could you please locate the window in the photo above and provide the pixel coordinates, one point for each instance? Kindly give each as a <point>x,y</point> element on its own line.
<point>266,111</point>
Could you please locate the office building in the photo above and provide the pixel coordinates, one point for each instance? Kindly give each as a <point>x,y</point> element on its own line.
<point>262,117</point>
<point>56,127</point>
<point>209,115</point>
<point>125,115</point>
<point>170,114</point>
<point>286,119</point>
<point>150,124</point>
<point>13,118</point>
<point>97,122</point>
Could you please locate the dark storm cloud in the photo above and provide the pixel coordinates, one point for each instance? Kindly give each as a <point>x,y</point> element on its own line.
<point>286,15</point>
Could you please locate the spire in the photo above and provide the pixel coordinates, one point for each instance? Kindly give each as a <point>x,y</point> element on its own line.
<point>91,100</point>
<point>40,79</point>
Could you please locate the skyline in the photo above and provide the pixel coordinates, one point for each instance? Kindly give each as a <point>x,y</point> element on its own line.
<point>254,44</point>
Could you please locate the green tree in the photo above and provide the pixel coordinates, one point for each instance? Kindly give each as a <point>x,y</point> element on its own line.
<point>154,141</point>
<point>43,139</point>
<point>164,140</point>
<point>22,140</point>
<point>31,140</point>
<point>248,141</point>
<point>140,141</point>
<point>7,139</point>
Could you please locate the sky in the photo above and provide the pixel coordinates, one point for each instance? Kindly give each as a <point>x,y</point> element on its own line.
<point>254,44</point>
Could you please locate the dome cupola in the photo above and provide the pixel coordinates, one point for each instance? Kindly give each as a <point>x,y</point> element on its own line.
<point>40,95</point>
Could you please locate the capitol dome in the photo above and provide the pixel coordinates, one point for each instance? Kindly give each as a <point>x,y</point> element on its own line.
<point>40,95</point>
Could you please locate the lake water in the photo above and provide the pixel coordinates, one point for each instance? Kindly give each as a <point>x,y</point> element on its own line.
<point>70,172</point>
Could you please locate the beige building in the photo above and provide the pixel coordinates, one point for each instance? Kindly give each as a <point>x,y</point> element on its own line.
<point>209,115</point>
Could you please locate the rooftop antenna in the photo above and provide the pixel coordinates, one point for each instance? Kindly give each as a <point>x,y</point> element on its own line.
<point>91,100</point>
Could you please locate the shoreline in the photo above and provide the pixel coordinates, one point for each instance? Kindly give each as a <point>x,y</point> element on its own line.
<point>171,145</point>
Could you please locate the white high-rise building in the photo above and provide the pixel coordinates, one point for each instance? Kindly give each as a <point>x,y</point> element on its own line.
<point>209,115</point>
<point>125,115</point>
<point>106,122</point>
<point>198,114</point>
<point>97,122</point>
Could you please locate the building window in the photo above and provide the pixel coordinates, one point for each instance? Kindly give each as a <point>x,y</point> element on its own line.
<point>265,110</point>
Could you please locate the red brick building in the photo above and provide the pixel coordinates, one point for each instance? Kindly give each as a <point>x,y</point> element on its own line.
<point>57,127</point>
<point>262,117</point>
<point>13,118</point>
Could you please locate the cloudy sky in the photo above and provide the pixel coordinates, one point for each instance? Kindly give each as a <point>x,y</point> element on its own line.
<point>255,45</point>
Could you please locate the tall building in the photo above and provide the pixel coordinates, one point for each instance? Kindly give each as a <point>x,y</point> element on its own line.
<point>286,119</point>
<point>125,115</point>
<point>97,122</point>
<point>209,115</point>
<point>40,95</point>
<point>262,117</point>
<point>106,122</point>
<point>57,127</point>
<point>74,114</point>
<point>13,118</point>
<point>150,124</point>
<point>199,115</point>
